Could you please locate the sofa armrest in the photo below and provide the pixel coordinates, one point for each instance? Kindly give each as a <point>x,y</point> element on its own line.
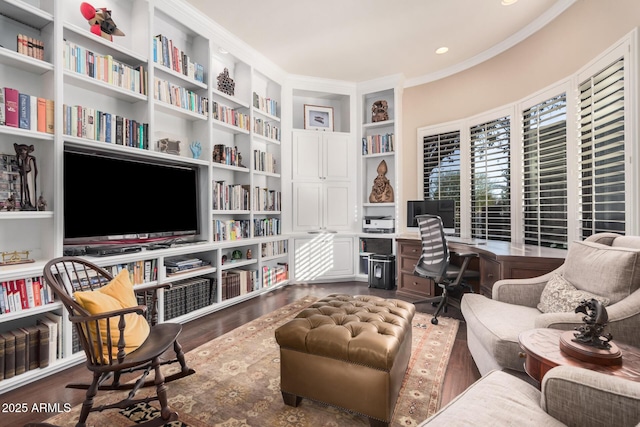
<point>521,291</point>
<point>581,397</point>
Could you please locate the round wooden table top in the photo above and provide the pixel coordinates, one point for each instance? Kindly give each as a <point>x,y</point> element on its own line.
<point>542,352</point>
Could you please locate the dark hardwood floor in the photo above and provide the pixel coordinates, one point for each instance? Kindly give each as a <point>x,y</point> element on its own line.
<point>461,370</point>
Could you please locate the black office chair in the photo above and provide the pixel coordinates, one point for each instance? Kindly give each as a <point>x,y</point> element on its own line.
<point>434,264</point>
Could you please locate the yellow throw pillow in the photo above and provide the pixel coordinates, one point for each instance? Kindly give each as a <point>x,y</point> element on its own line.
<point>115,295</point>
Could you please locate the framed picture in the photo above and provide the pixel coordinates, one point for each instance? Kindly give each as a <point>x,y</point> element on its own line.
<point>318,118</point>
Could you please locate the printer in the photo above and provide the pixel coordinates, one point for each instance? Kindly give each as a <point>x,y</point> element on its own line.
<point>378,224</point>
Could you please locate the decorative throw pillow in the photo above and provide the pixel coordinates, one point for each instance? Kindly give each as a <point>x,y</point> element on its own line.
<point>560,296</point>
<point>115,295</point>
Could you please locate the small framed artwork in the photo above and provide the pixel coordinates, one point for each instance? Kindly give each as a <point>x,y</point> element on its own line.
<point>318,118</point>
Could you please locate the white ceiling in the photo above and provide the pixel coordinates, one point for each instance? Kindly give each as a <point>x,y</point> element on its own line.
<point>358,40</point>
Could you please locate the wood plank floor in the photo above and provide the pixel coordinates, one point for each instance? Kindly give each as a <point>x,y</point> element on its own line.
<point>461,370</point>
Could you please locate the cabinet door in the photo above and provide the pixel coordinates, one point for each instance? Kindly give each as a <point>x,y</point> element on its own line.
<point>337,203</point>
<point>307,156</point>
<point>307,206</point>
<point>337,157</point>
<point>341,261</point>
<point>322,257</point>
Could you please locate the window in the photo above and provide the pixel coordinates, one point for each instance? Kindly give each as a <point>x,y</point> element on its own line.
<point>544,174</point>
<point>441,169</point>
<point>602,138</point>
<point>490,180</point>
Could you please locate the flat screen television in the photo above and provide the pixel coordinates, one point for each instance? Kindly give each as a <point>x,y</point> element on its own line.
<point>445,209</point>
<point>111,199</point>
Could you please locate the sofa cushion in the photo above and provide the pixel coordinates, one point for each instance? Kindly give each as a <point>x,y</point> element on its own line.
<point>603,270</point>
<point>560,296</point>
<point>497,325</point>
<point>497,399</point>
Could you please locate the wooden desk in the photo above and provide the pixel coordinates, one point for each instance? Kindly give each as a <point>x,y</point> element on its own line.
<point>496,260</point>
<point>542,352</point>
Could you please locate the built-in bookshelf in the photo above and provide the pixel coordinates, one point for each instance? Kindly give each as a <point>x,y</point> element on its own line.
<point>150,96</point>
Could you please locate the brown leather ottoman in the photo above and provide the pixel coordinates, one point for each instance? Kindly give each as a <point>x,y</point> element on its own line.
<point>347,351</point>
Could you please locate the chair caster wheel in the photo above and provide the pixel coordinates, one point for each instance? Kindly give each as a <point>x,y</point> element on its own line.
<point>434,321</point>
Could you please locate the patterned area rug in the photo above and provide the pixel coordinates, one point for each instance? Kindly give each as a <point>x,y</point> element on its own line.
<point>237,382</point>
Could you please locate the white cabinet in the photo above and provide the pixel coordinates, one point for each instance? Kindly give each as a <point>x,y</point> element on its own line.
<point>324,256</point>
<point>323,168</point>
<point>322,155</point>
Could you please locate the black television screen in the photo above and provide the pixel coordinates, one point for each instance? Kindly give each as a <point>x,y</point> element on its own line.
<point>106,197</point>
<point>445,209</point>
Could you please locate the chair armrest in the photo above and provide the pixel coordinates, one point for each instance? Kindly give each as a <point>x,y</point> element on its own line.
<point>138,309</point>
<point>520,291</point>
<point>581,397</point>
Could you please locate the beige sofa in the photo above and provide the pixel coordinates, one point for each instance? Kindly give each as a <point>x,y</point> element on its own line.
<point>605,265</point>
<point>570,396</point>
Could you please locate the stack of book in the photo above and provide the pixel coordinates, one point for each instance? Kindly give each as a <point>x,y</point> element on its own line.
<point>186,296</point>
<point>181,264</point>
<point>23,294</point>
<point>30,47</point>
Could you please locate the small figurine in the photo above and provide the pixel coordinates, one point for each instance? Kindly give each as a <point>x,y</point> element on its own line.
<point>10,204</point>
<point>226,83</point>
<point>236,254</point>
<point>249,253</point>
<point>382,192</point>
<point>28,174</point>
<point>196,149</point>
<point>224,259</point>
<point>379,111</point>
<point>591,333</point>
<point>42,203</point>
<point>100,21</point>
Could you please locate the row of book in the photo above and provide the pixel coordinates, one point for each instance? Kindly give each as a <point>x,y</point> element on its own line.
<point>268,105</point>
<point>232,229</point>
<point>226,155</point>
<point>272,275</point>
<point>229,116</point>
<point>236,282</point>
<point>267,227</point>
<point>30,46</point>
<point>143,271</point>
<point>266,129</point>
<point>180,97</point>
<point>30,347</point>
<point>188,295</point>
<point>84,122</point>
<point>23,294</point>
<point>9,178</point>
<point>279,247</point>
<point>165,53</point>
<point>374,144</point>
<point>104,68</point>
<point>230,196</point>
<point>264,161</point>
<point>21,110</point>
<point>267,200</point>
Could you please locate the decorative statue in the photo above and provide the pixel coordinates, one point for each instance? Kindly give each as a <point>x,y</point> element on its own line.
<point>249,253</point>
<point>10,203</point>
<point>591,333</point>
<point>381,191</point>
<point>42,203</point>
<point>100,21</point>
<point>226,83</point>
<point>379,111</point>
<point>28,174</point>
<point>196,149</point>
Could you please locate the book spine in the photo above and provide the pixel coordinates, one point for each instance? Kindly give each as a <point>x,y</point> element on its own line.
<point>49,115</point>
<point>11,107</point>
<point>24,115</point>
<point>9,355</point>
<point>2,113</point>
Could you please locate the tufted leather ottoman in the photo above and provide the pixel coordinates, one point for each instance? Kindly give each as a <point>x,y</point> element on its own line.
<point>347,351</point>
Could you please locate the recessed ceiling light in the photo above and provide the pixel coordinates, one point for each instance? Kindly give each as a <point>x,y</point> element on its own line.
<point>508,2</point>
<point>442,50</point>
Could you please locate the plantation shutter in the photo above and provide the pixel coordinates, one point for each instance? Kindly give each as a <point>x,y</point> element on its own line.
<point>490,180</point>
<point>545,173</point>
<point>441,169</point>
<point>602,171</point>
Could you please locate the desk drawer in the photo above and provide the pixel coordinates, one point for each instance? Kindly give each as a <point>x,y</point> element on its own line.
<point>408,263</point>
<point>412,250</point>
<point>414,285</point>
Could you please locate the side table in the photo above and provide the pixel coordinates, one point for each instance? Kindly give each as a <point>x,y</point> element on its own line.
<point>542,352</point>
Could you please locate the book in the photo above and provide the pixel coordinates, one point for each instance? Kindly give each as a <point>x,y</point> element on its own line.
<point>20,351</point>
<point>9,354</point>
<point>57,319</point>
<point>32,346</point>
<point>11,114</point>
<point>42,115</point>
<point>49,104</point>
<point>52,338</point>
<point>21,285</point>
<point>33,113</point>
<point>1,357</point>
<point>1,106</point>
<point>24,112</point>
<point>43,345</point>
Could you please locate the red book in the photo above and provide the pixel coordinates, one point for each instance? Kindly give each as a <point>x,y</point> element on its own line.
<point>36,291</point>
<point>22,290</point>
<point>11,112</point>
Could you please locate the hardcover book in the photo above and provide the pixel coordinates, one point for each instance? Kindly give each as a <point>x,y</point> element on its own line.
<point>43,345</point>
<point>9,354</point>
<point>11,114</point>
<point>21,351</point>
<point>49,115</point>
<point>1,106</point>
<point>1,357</point>
<point>33,344</point>
<point>24,116</point>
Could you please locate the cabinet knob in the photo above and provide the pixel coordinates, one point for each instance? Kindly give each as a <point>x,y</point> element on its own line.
<point>490,275</point>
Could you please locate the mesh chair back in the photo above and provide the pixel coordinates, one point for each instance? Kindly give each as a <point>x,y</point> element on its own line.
<point>435,255</point>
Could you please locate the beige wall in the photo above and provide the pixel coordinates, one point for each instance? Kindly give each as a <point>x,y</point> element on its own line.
<point>570,42</point>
